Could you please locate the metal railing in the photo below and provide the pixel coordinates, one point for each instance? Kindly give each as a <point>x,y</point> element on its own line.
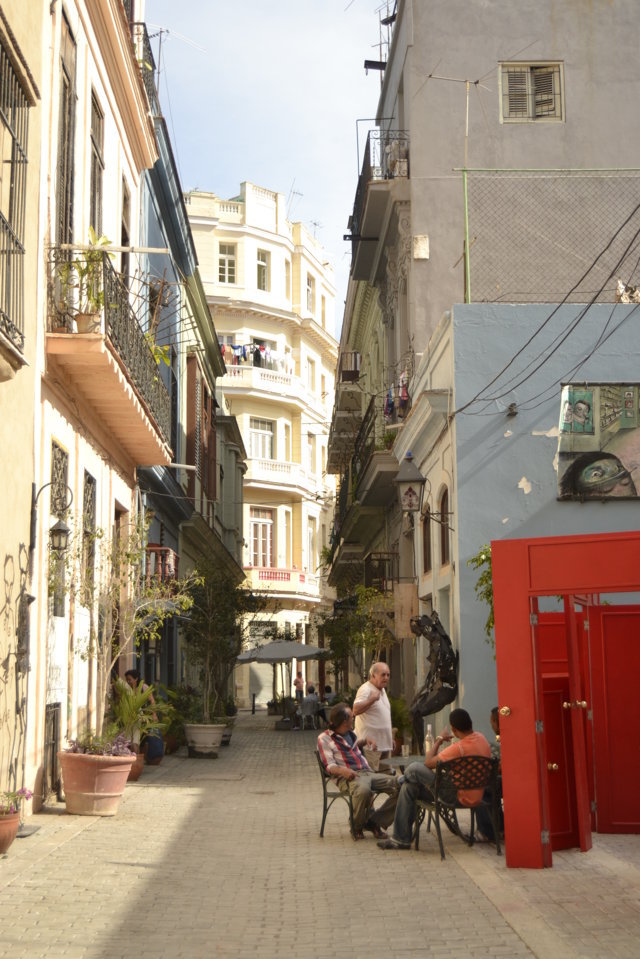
<point>147,64</point>
<point>349,367</point>
<point>116,318</point>
<point>548,236</point>
<point>386,156</point>
<point>381,571</point>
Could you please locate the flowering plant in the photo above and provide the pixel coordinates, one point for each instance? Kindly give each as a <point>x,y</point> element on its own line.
<point>109,744</point>
<point>10,801</point>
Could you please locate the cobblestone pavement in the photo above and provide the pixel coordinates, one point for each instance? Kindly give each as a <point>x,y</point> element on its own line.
<point>222,859</point>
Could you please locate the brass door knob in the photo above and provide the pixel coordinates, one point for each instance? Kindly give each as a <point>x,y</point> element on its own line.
<point>582,704</point>
<point>553,767</point>
<point>505,711</point>
<point>566,705</point>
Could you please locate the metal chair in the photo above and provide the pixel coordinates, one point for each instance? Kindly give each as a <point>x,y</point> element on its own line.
<point>331,792</point>
<point>309,711</point>
<point>468,772</point>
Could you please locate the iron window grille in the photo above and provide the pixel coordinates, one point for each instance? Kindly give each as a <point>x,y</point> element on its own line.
<point>14,127</point>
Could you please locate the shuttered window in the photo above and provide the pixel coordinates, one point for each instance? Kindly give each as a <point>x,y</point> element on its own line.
<point>531,91</point>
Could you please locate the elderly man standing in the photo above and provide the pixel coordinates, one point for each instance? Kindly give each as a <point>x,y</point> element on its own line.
<point>372,710</point>
<point>340,753</point>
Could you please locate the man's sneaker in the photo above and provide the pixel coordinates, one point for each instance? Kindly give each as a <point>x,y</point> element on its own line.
<point>392,843</point>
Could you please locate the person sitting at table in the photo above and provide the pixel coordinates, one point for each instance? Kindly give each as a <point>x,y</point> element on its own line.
<point>340,752</point>
<point>483,816</point>
<point>420,777</point>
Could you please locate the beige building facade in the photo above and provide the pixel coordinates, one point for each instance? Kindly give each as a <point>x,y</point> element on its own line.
<point>271,295</point>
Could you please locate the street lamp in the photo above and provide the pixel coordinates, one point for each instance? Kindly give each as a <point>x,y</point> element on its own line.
<point>59,531</point>
<point>410,485</point>
<point>59,536</point>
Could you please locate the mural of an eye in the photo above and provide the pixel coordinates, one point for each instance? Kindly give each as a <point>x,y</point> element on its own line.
<point>604,472</point>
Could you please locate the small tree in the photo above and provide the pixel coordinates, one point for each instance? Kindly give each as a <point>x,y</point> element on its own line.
<point>483,587</point>
<point>214,633</point>
<point>126,604</point>
<point>363,623</point>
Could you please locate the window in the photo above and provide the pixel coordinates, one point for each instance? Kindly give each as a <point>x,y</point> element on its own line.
<point>261,528</point>
<point>311,375</point>
<point>125,237</point>
<point>261,439</point>
<point>227,263</point>
<point>531,91</point>
<point>14,122</point>
<point>312,551</point>
<point>66,135</point>
<point>287,279</point>
<point>287,539</point>
<point>97,164</point>
<point>58,508</point>
<point>312,452</point>
<point>287,442</point>
<point>263,270</point>
<point>323,311</point>
<point>311,293</point>
<point>444,528</point>
<point>426,542</point>
<point>88,538</point>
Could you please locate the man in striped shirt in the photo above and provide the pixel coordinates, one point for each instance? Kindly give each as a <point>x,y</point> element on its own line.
<point>340,752</point>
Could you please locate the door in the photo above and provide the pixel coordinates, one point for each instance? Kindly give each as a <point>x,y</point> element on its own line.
<point>615,667</point>
<point>563,813</point>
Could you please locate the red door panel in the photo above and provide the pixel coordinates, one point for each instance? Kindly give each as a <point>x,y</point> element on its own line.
<point>615,668</point>
<point>563,814</point>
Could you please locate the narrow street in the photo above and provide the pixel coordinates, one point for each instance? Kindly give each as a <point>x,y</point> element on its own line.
<point>213,859</point>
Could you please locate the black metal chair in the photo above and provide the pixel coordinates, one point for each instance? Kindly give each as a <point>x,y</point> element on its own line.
<point>468,772</point>
<point>331,792</point>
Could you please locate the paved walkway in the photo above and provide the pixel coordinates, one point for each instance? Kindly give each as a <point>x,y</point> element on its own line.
<point>222,860</point>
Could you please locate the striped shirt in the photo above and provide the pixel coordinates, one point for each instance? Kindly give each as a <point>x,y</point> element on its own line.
<point>336,750</point>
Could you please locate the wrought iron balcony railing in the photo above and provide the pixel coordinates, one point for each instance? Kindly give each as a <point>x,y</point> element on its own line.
<point>386,156</point>
<point>381,571</point>
<point>83,284</point>
<point>147,64</point>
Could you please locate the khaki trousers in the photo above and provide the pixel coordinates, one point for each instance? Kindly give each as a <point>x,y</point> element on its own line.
<point>363,789</point>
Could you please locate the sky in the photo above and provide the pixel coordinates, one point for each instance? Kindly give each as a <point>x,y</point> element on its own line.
<point>271,92</point>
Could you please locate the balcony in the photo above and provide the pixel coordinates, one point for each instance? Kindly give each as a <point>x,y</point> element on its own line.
<point>147,64</point>
<point>283,583</point>
<point>349,367</point>
<point>110,370</point>
<point>162,564</point>
<point>383,182</point>
<point>276,474</point>
<point>381,571</point>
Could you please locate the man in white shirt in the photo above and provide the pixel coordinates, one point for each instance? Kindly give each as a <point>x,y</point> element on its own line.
<point>372,710</point>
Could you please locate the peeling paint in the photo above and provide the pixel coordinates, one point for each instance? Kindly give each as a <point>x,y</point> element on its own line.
<point>524,485</point>
<point>505,519</point>
<point>556,459</point>
<point>554,431</point>
<point>508,433</point>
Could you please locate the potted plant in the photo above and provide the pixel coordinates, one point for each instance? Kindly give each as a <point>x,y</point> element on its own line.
<point>10,803</point>
<point>213,636</point>
<point>136,713</point>
<point>82,279</point>
<point>94,773</point>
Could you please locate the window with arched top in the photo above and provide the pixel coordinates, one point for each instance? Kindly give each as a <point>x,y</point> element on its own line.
<point>444,527</point>
<point>426,541</point>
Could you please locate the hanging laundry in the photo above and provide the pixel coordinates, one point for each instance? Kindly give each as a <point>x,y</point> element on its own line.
<point>389,406</point>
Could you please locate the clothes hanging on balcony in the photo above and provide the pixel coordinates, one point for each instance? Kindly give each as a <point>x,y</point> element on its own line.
<point>404,391</point>
<point>389,406</point>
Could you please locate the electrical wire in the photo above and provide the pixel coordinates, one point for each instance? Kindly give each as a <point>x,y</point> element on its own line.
<point>478,396</point>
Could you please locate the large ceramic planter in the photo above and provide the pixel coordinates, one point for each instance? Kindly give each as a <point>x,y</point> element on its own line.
<point>8,830</point>
<point>204,740</point>
<point>88,322</point>
<point>136,770</point>
<point>93,785</point>
<point>226,736</point>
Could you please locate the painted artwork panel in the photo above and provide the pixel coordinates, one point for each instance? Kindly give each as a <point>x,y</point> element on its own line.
<point>599,441</point>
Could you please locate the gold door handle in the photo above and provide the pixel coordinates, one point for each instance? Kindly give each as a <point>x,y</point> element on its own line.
<point>505,711</point>
<point>582,704</point>
<point>552,767</point>
<point>567,705</point>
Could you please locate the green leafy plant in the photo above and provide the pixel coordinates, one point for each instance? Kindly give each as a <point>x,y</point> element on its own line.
<point>137,711</point>
<point>400,715</point>
<point>110,742</point>
<point>84,273</point>
<point>484,586</point>
<point>213,635</point>
<point>362,624</point>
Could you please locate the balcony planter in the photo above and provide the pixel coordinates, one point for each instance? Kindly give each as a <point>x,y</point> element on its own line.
<point>204,739</point>
<point>93,785</point>
<point>8,830</point>
<point>88,322</point>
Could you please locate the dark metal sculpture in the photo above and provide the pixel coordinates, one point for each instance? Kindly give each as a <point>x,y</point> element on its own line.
<point>441,685</point>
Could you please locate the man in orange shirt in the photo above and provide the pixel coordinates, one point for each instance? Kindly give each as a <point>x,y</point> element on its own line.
<point>420,777</point>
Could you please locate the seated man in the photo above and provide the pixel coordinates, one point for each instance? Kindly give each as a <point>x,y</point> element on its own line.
<point>419,778</point>
<point>342,758</point>
<point>310,705</point>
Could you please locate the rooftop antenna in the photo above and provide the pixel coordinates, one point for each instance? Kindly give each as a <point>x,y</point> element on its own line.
<point>292,199</point>
<point>316,226</point>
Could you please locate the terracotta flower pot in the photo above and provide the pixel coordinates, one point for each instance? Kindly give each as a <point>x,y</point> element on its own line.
<point>8,830</point>
<point>204,740</point>
<point>93,785</point>
<point>136,770</point>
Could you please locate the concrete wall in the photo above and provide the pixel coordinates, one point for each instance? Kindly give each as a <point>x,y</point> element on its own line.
<point>506,466</point>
